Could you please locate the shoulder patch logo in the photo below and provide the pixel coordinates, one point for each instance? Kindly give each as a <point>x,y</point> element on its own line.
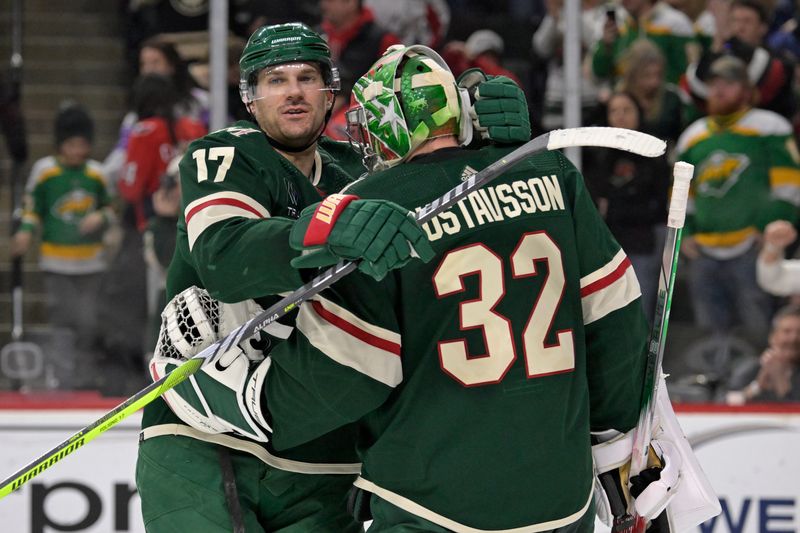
<point>467,173</point>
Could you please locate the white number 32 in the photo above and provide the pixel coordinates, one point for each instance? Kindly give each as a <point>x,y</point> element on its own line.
<point>541,359</point>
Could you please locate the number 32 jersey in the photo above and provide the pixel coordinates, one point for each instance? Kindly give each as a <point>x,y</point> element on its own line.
<point>475,379</point>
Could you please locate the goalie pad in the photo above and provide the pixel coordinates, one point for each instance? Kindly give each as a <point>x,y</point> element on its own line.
<point>682,487</point>
<point>224,395</point>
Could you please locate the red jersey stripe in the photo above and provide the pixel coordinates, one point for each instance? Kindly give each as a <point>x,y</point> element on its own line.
<point>355,331</point>
<point>222,201</point>
<point>607,280</point>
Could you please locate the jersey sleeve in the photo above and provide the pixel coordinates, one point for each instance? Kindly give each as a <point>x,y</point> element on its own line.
<point>237,244</point>
<point>141,163</point>
<point>615,325</point>
<point>784,179</point>
<point>342,361</point>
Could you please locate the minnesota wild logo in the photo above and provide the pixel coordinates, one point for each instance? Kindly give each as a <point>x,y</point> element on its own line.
<point>73,206</point>
<point>719,172</point>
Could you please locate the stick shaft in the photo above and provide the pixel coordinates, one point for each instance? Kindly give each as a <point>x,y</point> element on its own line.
<point>666,285</point>
<point>629,140</point>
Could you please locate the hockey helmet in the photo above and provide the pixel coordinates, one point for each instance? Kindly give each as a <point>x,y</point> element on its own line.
<point>279,44</point>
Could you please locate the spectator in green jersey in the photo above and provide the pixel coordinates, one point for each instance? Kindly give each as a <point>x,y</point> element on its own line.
<point>67,202</point>
<point>747,174</point>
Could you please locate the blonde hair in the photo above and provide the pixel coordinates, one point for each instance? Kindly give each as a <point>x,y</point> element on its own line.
<point>642,53</point>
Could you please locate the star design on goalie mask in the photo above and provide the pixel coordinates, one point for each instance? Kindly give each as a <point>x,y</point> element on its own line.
<point>388,115</point>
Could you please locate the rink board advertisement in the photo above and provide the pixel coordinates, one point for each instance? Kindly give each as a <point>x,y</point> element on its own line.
<point>751,455</point>
<point>91,490</point>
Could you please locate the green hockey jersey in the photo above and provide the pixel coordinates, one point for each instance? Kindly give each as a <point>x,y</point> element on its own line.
<point>475,379</point>
<point>239,198</point>
<point>747,174</point>
<point>57,200</point>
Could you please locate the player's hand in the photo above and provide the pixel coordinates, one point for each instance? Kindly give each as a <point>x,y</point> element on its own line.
<point>91,223</point>
<point>779,233</point>
<point>690,248</point>
<point>20,243</point>
<point>379,233</point>
<point>500,110</point>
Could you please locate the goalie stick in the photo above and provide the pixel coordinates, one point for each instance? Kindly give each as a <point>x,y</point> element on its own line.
<point>622,139</point>
<point>630,522</point>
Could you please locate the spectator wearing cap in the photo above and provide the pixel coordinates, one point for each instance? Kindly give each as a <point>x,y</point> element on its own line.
<point>670,29</point>
<point>67,202</point>
<point>740,30</point>
<point>747,174</point>
<point>483,49</point>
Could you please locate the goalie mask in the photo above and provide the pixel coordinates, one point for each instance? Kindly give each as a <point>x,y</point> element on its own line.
<point>408,96</point>
<point>280,44</point>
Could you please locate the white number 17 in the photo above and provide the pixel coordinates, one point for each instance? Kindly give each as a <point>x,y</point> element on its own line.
<point>225,152</point>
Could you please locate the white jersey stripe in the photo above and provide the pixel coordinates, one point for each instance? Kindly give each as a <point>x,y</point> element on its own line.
<point>604,270</point>
<point>350,341</point>
<point>617,290</point>
<point>417,509</point>
<point>208,210</point>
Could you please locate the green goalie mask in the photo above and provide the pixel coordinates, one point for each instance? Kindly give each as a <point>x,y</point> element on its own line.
<point>408,96</point>
<point>279,44</point>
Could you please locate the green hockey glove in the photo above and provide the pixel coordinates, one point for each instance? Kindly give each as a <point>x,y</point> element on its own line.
<point>500,110</point>
<point>382,234</point>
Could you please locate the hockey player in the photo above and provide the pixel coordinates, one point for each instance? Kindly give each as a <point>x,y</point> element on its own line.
<point>475,379</point>
<point>242,186</point>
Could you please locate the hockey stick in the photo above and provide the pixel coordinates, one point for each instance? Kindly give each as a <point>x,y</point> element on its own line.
<point>622,139</point>
<point>630,522</point>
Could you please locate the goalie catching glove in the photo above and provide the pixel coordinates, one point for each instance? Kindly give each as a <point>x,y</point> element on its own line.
<point>224,395</point>
<point>382,234</point>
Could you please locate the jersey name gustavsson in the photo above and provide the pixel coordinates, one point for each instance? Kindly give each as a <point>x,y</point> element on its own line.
<point>497,203</point>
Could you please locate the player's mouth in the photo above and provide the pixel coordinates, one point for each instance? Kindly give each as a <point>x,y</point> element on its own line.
<point>294,112</point>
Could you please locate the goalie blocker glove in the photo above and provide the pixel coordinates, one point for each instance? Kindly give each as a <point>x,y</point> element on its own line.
<point>224,396</point>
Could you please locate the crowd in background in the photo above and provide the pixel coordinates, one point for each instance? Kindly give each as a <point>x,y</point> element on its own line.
<point>716,79</point>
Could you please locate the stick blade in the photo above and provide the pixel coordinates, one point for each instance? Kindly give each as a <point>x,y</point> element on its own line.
<point>619,138</point>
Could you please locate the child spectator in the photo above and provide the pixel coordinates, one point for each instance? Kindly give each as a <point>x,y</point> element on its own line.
<point>67,199</point>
